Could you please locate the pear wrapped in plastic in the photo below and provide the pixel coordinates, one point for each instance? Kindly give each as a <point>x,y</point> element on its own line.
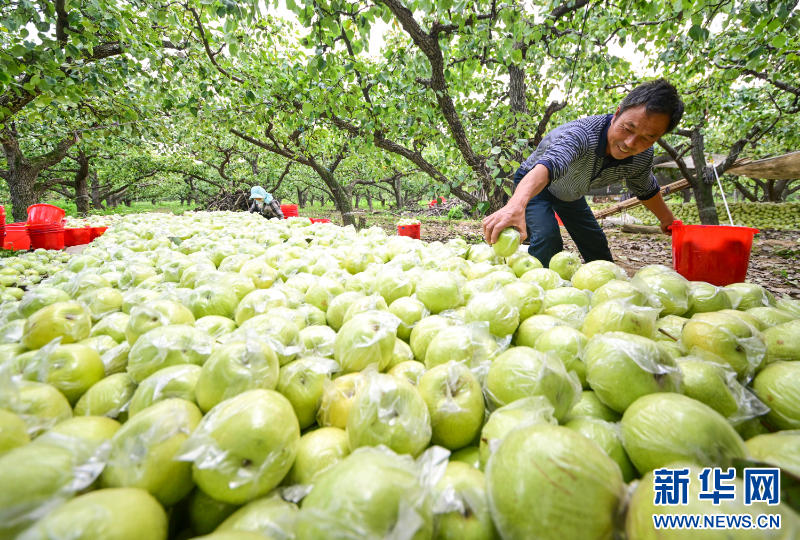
<point>507,242</point>
<point>706,298</point>
<point>259,302</point>
<point>39,405</point>
<point>525,411</point>
<point>388,410</point>
<point>40,297</point>
<point>173,382</point>
<point>778,386</point>
<point>619,290</point>
<point>531,328</point>
<point>372,493</point>
<point>621,368</point>
<point>71,369</point>
<point>471,343</point>
<point>367,338</point>
<point>153,315</point>
<point>749,295</point>
<point>282,335</point>
<point>13,431</point>
<point>302,383</point>
<point>672,290</point>
<point>461,506</point>
<point>608,437</point>
<point>565,264</point>
<point>593,275</point>
<point>783,342</point>
<point>214,299</point>
<point>69,321</point>
<point>109,397</point>
<point>728,337</point>
<point>317,341</point>
<point>319,450</point>
<point>271,517</point>
<point>568,344</point>
<point>620,316</point>
<point>522,372</point>
<point>244,447</point>
<point>781,449</point>
<point>338,396</point>
<point>143,451</point>
<point>112,325</point>
<point>167,346</point>
<point>502,316</point>
<point>549,482</point>
<point>659,429</point>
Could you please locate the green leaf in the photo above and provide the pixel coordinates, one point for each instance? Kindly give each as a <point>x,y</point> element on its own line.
<point>696,33</point>
<point>308,108</point>
<point>779,41</point>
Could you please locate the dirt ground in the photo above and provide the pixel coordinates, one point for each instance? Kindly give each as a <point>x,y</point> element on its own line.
<point>774,261</point>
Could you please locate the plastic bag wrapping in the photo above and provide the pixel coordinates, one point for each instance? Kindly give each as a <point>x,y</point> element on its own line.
<point>789,304</point>
<point>136,297</point>
<point>317,341</point>
<point>272,516</point>
<point>439,291</point>
<point>339,306</point>
<point>528,298</point>
<point>302,382</point>
<point>11,332</point>
<point>35,299</point>
<point>659,429</point>
<point>388,410</point>
<point>454,397</point>
<point>716,385</point>
<point>525,411</point>
<point>572,315</point>
<point>522,372</point>
<point>235,367</point>
<point>593,275</point>
<point>373,494</point>
<point>783,342</point>
<point>134,275</point>
<point>301,282</point>
<point>38,478</point>
<point>363,304</point>
<point>115,359</point>
<point>470,343</point>
<point>322,293</point>
<point>669,328</point>
<point>502,316</point>
<point>172,382</point>
<point>292,315</point>
<point>234,263</point>
<point>707,297</point>
<point>642,363</point>
<point>39,405</point>
<point>109,397</point>
<point>568,344</point>
<point>215,326</point>
<point>541,474</point>
<point>531,328</point>
<point>259,302</point>
<point>144,450</point>
<point>367,338</point>
<point>393,283</point>
<point>174,293</point>
<point>9,311</point>
<point>608,435</point>
<point>167,346</point>
<point>749,295</point>
<point>86,280</point>
<point>739,344</point>
<point>777,385</point>
<point>227,461</point>
<point>68,320</point>
<point>282,335</point>
<point>620,316</point>
<point>771,316</point>
<point>672,290</point>
<point>174,269</point>
<point>153,315</point>
<point>72,369</point>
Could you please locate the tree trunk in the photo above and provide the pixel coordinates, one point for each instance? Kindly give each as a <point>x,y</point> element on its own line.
<point>358,200</point>
<point>383,201</point>
<point>81,185</point>
<point>398,194</point>
<point>342,199</point>
<point>20,185</point>
<point>127,202</point>
<point>368,195</point>
<point>687,195</point>
<point>97,200</point>
<point>299,198</point>
<point>703,182</point>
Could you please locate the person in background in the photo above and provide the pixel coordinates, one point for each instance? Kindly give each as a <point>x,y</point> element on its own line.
<point>264,204</point>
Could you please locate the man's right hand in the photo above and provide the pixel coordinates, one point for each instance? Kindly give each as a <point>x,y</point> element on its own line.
<point>508,216</point>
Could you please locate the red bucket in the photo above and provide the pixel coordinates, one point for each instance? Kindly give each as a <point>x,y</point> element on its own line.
<point>47,239</point>
<point>45,213</point>
<point>16,237</point>
<point>319,220</point>
<point>96,232</point>
<point>409,230</point>
<point>560,223</point>
<point>716,254</point>
<point>77,237</point>
<point>289,210</point>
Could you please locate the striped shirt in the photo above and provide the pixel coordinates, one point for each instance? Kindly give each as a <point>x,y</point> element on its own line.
<point>575,155</point>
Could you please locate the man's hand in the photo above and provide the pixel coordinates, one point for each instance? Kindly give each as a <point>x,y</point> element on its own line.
<point>508,216</point>
<point>660,209</point>
<point>665,225</point>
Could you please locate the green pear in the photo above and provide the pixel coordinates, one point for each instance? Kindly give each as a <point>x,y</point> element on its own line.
<point>112,325</point>
<point>455,403</point>
<point>751,428</point>
<point>259,302</point>
<point>528,298</point>
<point>214,299</point>
<point>565,264</point>
<point>393,283</point>
<point>279,333</point>
<point>363,283</point>
<point>733,340</point>
<point>13,431</point>
<point>570,314</point>
<point>401,353</point>
<point>317,341</point>
<point>439,291</point>
<point>369,491</point>
<point>641,511</point>
<point>368,338</point>
<point>568,344</point>
<point>783,342</point>
<point>707,298</point>
<point>771,316</point>
<point>593,275</point>
<point>531,328</point>
<point>389,410</point>
<point>337,400</point>
<point>143,451</point>
<point>234,368</point>
<point>244,446</point>
<point>541,474</point>
<point>12,332</point>
<point>302,383</point>
<point>672,290</point>
<point>167,346</point>
<point>469,455</point>
<point>68,320</point>
<point>374,302</point>
<point>621,368</point>
<point>521,262</point>
<point>607,437</point>
<point>215,326</point>
<point>40,297</point>
<point>108,514</point>
<point>262,274</point>
<point>623,291</point>
<point>469,343</point>
<point>708,383</point>
<point>507,242</point>
<point>72,369</point>
<point>566,295</point>
<point>502,316</point>
<point>319,450</point>
<point>530,410</point>
<point>176,382</point>
<point>322,293</point>
<point>101,302</point>
<point>659,429</point>
<point>617,316</point>
<point>789,304</point>
<point>411,371</point>
<point>778,387</point>
<point>424,332</point>
<point>410,311</point>
<point>746,317</point>
<point>781,449</point>
<point>205,514</point>
<point>590,406</point>
<point>40,405</point>
<point>109,397</point>
<point>96,429</point>
<point>669,328</point>
<point>522,372</point>
<point>462,506</point>
<point>749,295</point>
<point>154,315</point>
<point>270,517</point>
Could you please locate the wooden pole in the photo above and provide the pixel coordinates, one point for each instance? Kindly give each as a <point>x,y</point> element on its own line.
<point>630,203</point>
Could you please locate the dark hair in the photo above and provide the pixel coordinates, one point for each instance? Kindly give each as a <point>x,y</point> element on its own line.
<point>658,97</point>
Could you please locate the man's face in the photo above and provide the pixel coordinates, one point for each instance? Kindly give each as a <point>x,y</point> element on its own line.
<point>634,131</point>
